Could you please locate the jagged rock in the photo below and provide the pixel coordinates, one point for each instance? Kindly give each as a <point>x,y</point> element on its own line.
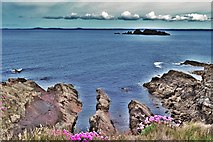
<point>101,121</point>
<point>183,94</point>
<point>103,101</point>
<point>30,106</point>
<point>138,113</point>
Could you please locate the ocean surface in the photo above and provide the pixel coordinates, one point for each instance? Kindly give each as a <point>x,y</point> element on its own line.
<point>91,59</point>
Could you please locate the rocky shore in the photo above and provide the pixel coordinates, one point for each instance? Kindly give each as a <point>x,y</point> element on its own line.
<point>28,106</point>
<point>187,98</point>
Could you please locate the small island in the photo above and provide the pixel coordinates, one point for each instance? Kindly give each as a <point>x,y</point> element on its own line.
<point>146,32</point>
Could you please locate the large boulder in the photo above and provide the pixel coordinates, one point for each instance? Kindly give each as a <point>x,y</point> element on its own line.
<point>187,98</point>
<point>137,114</point>
<point>101,122</point>
<point>29,106</point>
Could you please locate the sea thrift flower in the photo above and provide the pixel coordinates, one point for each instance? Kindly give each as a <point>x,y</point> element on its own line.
<point>83,137</point>
<point>151,119</point>
<point>157,119</point>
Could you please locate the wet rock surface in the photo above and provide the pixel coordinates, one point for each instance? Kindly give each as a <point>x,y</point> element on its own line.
<point>101,122</point>
<point>137,114</point>
<point>29,106</point>
<point>187,98</point>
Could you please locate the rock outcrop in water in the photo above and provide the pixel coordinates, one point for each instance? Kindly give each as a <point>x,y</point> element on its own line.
<point>188,98</point>
<point>147,32</point>
<point>101,122</point>
<point>137,114</point>
<point>29,106</point>
<point>194,63</point>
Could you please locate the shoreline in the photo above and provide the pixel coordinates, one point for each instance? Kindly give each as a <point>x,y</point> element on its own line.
<point>148,78</point>
<point>148,89</point>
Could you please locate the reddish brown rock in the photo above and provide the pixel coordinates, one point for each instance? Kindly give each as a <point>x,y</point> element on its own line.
<point>29,106</point>
<point>137,114</point>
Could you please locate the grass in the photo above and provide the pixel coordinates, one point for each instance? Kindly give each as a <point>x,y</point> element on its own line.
<point>190,131</point>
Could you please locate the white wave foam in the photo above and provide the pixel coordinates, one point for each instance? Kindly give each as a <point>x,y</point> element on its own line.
<point>16,70</point>
<point>177,64</point>
<point>158,64</point>
<point>140,84</point>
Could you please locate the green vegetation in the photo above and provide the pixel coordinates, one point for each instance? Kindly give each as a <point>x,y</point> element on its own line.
<point>190,131</point>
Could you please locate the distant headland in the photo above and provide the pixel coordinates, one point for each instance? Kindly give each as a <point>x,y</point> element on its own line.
<point>79,28</point>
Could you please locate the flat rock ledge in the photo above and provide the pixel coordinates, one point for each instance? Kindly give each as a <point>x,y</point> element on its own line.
<point>187,98</point>
<point>29,106</point>
<point>137,114</point>
<point>101,122</point>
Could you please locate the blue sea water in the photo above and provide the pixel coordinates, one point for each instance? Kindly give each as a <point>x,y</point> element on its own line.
<point>91,59</point>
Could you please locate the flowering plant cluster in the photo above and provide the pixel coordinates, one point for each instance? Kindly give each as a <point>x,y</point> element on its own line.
<point>157,119</point>
<point>83,137</point>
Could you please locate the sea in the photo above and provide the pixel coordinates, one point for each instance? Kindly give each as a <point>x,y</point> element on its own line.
<point>91,59</point>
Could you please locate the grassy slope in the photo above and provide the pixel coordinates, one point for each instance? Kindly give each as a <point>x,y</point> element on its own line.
<point>190,131</point>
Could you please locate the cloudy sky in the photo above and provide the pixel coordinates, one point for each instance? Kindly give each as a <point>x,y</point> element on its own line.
<point>85,14</point>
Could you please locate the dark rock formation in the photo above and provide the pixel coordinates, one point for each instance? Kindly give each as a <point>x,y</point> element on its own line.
<point>187,98</point>
<point>194,63</point>
<point>30,106</point>
<point>147,32</point>
<point>17,70</point>
<point>101,121</point>
<point>138,113</point>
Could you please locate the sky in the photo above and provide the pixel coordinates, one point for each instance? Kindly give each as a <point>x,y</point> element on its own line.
<point>107,14</point>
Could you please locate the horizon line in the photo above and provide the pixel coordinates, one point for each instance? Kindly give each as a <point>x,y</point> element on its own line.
<point>78,28</point>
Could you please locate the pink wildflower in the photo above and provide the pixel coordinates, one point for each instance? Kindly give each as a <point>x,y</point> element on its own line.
<point>151,119</point>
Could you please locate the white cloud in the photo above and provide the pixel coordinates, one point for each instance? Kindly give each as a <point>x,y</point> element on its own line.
<point>103,16</point>
<point>197,17</point>
<point>179,18</point>
<point>189,17</point>
<point>126,15</point>
<point>106,16</point>
<point>72,16</point>
<point>153,16</point>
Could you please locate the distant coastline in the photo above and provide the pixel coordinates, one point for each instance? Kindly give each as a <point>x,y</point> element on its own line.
<point>39,28</point>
